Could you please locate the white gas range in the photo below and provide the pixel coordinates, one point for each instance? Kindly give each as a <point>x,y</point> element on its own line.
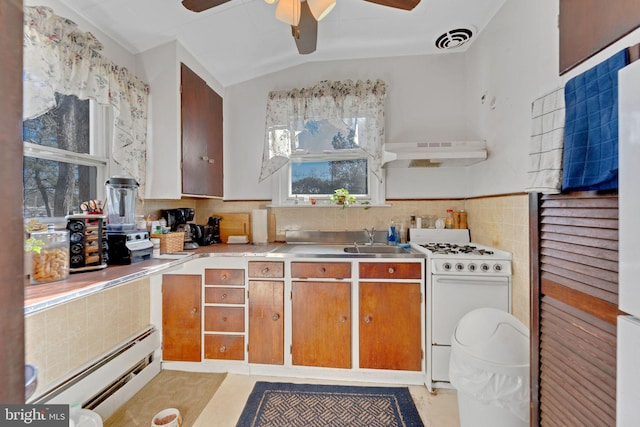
<point>460,277</point>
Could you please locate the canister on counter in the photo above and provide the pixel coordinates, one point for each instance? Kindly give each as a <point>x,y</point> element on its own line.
<point>456,219</point>
<point>50,255</point>
<point>156,247</point>
<point>463,219</point>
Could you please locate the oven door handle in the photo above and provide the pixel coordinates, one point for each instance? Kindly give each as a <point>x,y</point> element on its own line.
<point>462,279</point>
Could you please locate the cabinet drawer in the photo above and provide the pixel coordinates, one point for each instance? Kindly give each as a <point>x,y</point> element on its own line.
<point>224,319</point>
<point>227,347</point>
<point>390,270</point>
<point>335,270</point>
<point>223,276</point>
<point>267,269</point>
<point>224,295</point>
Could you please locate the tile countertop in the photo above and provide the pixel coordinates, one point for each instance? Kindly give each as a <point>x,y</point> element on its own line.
<point>46,295</point>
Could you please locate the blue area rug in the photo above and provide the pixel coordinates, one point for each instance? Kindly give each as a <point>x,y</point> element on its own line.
<point>313,405</point>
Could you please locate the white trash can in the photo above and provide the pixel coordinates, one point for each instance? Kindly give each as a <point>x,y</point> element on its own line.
<point>489,367</point>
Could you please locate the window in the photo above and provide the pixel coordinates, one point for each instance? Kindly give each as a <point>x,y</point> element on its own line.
<point>323,138</point>
<point>326,156</point>
<point>64,157</point>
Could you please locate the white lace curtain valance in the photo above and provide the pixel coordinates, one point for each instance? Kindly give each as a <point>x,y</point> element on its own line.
<point>58,57</point>
<point>325,100</point>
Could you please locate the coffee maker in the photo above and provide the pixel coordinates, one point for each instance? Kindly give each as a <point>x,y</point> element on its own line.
<point>126,244</point>
<point>178,220</point>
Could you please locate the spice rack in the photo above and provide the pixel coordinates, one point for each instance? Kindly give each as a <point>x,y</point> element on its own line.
<point>88,248</point>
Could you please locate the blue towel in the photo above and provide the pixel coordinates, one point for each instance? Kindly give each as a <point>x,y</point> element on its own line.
<point>590,158</point>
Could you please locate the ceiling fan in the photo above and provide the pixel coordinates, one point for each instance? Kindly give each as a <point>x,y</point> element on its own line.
<point>302,15</point>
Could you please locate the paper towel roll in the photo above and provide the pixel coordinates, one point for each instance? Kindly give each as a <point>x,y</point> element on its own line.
<point>259,227</point>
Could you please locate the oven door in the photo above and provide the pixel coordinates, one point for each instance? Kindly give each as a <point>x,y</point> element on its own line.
<point>454,296</point>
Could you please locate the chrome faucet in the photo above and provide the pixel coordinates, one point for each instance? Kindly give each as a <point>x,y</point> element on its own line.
<point>370,235</point>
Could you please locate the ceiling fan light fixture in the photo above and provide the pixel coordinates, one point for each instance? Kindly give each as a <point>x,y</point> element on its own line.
<point>321,8</point>
<point>270,1</point>
<point>288,11</point>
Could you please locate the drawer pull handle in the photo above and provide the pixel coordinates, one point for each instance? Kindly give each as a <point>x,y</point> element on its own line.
<point>194,310</point>
<point>224,319</point>
<point>368,319</point>
<point>205,158</point>
<point>223,296</point>
<point>392,270</point>
<point>275,316</point>
<point>323,270</point>
<point>223,277</point>
<point>265,270</point>
<point>223,349</point>
<point>343,319</point>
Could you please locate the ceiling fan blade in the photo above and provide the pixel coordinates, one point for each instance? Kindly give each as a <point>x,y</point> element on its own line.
<point>306,33</point>
<point>397,4</point>
<point>202,5</point>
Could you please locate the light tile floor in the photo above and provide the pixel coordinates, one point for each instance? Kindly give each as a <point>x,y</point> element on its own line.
<point>224,409</point>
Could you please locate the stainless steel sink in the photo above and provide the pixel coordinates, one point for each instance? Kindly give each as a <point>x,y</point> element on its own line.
<point>375,250</point>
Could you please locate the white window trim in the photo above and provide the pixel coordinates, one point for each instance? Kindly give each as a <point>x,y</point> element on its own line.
<point>100,137</point>
<point>281,186</point>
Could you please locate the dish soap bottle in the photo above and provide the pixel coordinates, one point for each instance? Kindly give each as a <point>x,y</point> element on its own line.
<point>392,234</point>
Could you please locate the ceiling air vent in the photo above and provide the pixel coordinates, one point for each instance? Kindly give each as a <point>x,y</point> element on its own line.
<point>454,38</point>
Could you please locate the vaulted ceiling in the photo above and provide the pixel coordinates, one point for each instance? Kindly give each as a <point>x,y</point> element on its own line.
<point>242,39</point>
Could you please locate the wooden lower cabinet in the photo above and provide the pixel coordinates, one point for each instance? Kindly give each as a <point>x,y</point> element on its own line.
<point>224,347</point>
<point>224,313</point>
<point>390,326</point>
<point>266,322</point>
<point>321,324</point>
<point>181,317</point>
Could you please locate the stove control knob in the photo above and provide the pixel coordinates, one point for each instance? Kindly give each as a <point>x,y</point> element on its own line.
<point>484,267</point>
<point>497,267</point>
<point>459,266</point>
<point>472,267</point>
<point>446,266</point>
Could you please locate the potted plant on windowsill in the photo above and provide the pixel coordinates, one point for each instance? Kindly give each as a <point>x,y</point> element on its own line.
<point>342,198</point>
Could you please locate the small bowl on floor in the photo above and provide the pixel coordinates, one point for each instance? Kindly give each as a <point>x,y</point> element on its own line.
<point>169,417</point>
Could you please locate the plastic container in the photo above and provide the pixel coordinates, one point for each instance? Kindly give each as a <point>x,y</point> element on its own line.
<point>463,219</point>
<point>489,367</point>
<point>156,247</point>
<point>448,220</point>
<point>49,255</point>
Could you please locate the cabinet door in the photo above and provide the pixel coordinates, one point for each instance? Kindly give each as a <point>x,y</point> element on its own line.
<point>201,121</point>
<point>181,317</point>
<point>266,322</point>
<point>321,324</point>
<point>390,320</point>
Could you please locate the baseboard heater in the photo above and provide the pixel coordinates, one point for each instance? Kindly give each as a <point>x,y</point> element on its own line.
<point>107,382</point>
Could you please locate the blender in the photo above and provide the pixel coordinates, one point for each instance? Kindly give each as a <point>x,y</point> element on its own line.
<point>126,243</point>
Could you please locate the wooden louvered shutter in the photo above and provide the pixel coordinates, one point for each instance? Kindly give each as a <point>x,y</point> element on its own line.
<point>574,307</point>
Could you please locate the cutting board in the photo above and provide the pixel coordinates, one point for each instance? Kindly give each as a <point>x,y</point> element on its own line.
<point>234,224</point>
<point>271,227</point>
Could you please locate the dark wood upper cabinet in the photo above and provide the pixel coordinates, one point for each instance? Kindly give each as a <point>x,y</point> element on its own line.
<point>588,26</point>
<point>201,120</point>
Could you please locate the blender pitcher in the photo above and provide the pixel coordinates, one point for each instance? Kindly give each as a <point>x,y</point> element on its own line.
<point>121,204</point>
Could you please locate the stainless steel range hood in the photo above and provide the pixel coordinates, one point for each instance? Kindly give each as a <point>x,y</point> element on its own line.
<point>434,154</point>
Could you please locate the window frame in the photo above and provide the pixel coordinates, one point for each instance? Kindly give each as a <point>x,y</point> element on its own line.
<point>100,137</point>
<point>282,179</point>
